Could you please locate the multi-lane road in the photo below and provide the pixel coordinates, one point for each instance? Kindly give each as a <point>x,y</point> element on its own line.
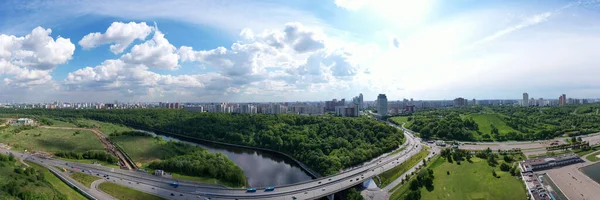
<point>312,189</point>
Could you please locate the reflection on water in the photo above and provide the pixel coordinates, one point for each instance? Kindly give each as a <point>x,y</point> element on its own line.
<point>261,168</point>
<point>593,171</point>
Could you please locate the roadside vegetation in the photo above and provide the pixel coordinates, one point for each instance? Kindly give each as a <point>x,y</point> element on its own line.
<point>21,182</point>
<point>325,143</point>
<point>61,186</point>
<point>84,179</point>
<point>389,176</point>
<point>185,160</point>
<point>502,123</point>
<point>457,174</point>
<point>593,157</point>
<point>125,193</point>
<point>49,140</point>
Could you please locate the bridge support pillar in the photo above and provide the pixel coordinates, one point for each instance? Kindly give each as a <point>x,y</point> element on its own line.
<point>330,197</point>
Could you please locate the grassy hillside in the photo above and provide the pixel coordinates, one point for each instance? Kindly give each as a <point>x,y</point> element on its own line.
<point>125,193</point>
<point>50,140</point>
<point>468,181</point>
<point>402,119</point>
<point>484,121</point>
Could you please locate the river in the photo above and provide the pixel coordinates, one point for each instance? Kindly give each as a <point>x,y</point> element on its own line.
<point>592,171</point>
<point>262,168</point>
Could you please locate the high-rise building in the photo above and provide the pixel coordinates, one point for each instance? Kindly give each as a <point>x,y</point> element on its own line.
<point>361,102</point>
<point>460,101</point>
<point>525,101</point>
<point>382,105</point>
<point>562,100</point>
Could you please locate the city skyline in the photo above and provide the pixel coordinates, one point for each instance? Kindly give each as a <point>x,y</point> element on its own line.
<point>303,51</point>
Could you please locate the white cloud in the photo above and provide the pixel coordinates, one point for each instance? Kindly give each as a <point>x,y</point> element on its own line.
<point>37,50</point>
<point>527,22</point>
<point>27,61</point>
<point>119,34</point>
<point>155,53</point>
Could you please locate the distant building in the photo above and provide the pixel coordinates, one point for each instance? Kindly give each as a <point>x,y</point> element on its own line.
<point>346,111</point>
<point>194,108</point>
<point>549,162</point>
<point>460,101</point>
<point>525,101</point>
<point>330,105</point>
<point>382,105</point>
<point>24,122</point>
<point>159,172</point>
<point>562,100</point>
<point>361,102</point>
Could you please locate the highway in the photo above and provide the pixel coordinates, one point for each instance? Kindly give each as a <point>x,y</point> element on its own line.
<point>312,189</point>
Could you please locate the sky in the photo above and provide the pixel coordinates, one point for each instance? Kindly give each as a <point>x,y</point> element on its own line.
<point>296,50</point>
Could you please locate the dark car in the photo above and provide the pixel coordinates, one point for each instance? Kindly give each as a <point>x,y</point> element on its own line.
<point>172,194</point>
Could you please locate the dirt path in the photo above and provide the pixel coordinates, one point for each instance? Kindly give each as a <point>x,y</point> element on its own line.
<point>110,147</point>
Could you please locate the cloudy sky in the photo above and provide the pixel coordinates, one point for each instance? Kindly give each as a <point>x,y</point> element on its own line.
<point>296,50</point>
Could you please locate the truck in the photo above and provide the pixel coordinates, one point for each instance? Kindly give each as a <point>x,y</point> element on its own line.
<point>174,184</point>
<point>251,190</point>
<point>268,189</point>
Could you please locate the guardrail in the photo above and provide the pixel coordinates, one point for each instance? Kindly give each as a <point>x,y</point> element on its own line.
<point>127,158</point>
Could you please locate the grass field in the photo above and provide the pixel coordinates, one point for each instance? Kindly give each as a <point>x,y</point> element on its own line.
<point>203,180</point>
<point>389,176</point>
<point>51,140</point>
<point>402,119</point>
<point>84,179</point>
<point>105,128</point>
<point>59,123</point>
<point>125,193</point>
<point>593,157</point>
<point>469,181</point>
<point>142,149</point>
<point>484,121</point>
<point>57,183</point>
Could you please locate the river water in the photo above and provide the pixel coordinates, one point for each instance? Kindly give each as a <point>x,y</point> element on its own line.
<point>592,171</point>
<point>262,168</point>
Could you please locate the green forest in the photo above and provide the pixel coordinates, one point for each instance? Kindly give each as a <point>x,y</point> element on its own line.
<point>505,122</point>
<point>324,143</point>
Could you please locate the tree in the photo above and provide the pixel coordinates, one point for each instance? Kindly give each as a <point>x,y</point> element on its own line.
<point>414,185</point>
<point>494,173</point>
<point>353,194</point>
<point>504,167</point>
<point>413,195</point>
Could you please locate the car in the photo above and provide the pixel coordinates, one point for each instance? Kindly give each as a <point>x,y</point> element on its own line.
<point>251,190</point>
<point>305,192</point>
<point>268,189</point>
<point>172,194</point>
<point>323,189</point>
<point>329,179</point>
<point>180,195</point>
<point>357,179</point>
<point>293,197</point>
<point>319,182</point>
<point>129,182</point>
<point>153,188</point>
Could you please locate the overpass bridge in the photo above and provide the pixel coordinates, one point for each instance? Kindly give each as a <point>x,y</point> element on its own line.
<point>312,189</point>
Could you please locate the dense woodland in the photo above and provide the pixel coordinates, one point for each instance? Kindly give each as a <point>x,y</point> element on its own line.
<point>527,123</point>
<point>91,154</point>
<point>324,143</point>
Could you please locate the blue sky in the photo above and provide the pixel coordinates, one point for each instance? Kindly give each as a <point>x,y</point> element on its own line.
<point>298,50</point>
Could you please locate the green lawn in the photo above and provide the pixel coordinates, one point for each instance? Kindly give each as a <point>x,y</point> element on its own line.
<point>125,193</point>
<point>59,123</point>
<point>84,179</point>
<point>484,121</point>
<point>402,119</point>
<point>593,157</point>
<point>469,181</point>
<point>389,176</point>
<point>57,183</point>
<point>51,140</point>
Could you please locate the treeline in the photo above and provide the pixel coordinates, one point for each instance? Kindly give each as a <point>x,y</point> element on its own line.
<point>203,163</point>
<point>325,143</point>
<point>91,154</point>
